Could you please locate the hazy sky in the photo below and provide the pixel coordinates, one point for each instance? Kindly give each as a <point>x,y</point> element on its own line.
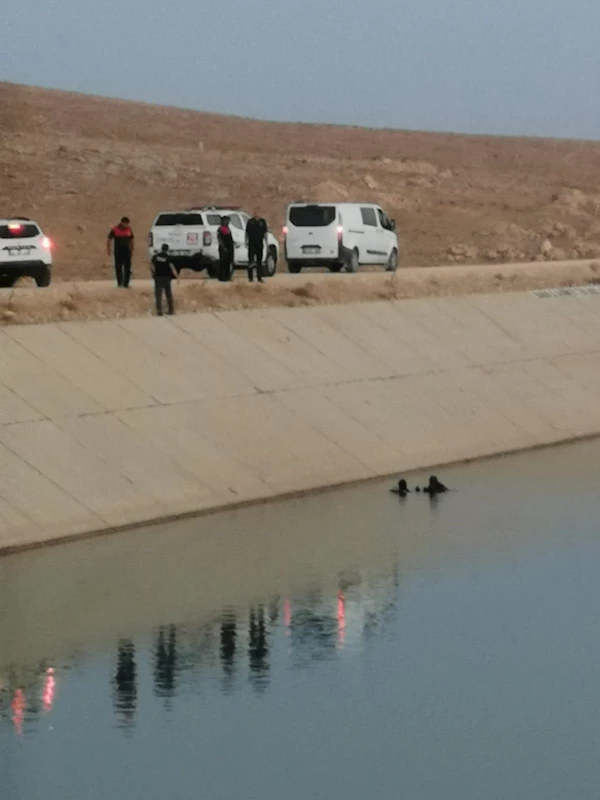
<point>483,66</point>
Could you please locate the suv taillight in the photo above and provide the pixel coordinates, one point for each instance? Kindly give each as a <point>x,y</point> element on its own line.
<point>207,238</point>
<point>150,240</point>
<point>46,243</point>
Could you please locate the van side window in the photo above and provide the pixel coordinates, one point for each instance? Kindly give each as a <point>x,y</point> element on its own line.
<point>368,216</point>
<point>385,223</point>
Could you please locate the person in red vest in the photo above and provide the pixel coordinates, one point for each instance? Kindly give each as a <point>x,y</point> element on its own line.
<point>226,250</point>
<point>120,241</point>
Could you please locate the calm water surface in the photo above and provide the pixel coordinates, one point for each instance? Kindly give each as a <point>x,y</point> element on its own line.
<point>348,646</point>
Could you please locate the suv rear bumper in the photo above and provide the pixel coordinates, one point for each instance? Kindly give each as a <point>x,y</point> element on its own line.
<point>23,267</point>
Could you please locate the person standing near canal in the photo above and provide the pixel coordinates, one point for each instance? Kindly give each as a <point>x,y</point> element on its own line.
<point>163,272</point>
<point>256,233</point>
<point>226,249</point>
<point>120,242</point>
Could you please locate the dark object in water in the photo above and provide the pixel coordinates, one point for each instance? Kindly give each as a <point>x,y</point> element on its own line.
<point>434,487</point>
<point>402,489</point>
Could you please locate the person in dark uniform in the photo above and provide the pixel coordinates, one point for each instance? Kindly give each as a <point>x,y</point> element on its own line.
<point>120,239</point>
<point>226,247</point>
<point>256,233</point>
<point>163,273</point>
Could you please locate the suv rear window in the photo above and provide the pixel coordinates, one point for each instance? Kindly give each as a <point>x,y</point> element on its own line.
<point>179,219</point>
<point>312,216</point>
<point>26,230</point>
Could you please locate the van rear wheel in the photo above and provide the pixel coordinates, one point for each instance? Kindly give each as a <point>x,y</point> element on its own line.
<point>352,262</point>
<point>294,268</point>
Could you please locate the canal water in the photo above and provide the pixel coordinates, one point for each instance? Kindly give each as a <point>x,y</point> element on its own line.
<point>348,645</point>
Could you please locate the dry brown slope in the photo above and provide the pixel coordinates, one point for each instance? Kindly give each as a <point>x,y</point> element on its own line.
<point>77,163</point>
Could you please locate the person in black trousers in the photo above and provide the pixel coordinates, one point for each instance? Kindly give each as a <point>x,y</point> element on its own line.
<point>226,248</point>
<point>120,240</point>
<point>163,273</point>
<point>256,233</point>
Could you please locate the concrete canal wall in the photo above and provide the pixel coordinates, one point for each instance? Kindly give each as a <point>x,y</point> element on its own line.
<point>109,424</point>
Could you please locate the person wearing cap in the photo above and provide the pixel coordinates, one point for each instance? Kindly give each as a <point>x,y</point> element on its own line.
<point>163,272</point>
<point>226,249</point>
<point>120,242</point>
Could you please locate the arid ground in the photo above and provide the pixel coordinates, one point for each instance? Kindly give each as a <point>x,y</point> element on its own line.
<point>77,163</point>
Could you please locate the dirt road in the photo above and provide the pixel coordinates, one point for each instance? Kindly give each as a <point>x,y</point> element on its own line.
<point>87,300</point>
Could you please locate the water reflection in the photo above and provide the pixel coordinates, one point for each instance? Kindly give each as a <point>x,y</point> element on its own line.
<point>165,662</point>
<point>258,649</point>
<point>125,683</point>
<point>235,648</point>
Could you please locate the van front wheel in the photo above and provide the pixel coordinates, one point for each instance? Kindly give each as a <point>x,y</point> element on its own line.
<point>352,262</point>
<point>392,263</point>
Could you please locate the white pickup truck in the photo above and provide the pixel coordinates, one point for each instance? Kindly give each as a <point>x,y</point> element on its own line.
<point>192,238</point>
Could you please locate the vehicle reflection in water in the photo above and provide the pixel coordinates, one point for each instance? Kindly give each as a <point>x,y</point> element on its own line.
<point>308,630</point>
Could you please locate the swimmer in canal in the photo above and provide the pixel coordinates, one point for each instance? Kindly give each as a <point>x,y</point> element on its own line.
<point>434,487</point>
<point>401,489</point>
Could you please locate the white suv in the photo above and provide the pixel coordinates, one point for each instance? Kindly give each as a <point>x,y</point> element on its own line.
<point>24,252</point>
<point>192,238</point>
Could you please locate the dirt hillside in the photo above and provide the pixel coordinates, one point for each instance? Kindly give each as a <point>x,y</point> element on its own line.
<point>77,163</point>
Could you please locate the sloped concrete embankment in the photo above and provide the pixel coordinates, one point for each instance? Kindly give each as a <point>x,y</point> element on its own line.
<point>108,424</point>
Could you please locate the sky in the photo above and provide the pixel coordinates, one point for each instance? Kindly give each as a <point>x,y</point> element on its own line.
<point>522,67</point>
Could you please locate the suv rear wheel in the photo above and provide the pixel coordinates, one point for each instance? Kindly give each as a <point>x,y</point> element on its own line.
<point>43,277</point>
<point>294,267</point>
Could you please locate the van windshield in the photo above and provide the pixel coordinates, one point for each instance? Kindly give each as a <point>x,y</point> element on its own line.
<point>312,216</point>
<point>179,219</point>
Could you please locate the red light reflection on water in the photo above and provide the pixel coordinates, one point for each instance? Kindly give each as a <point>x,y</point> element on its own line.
<point>49,689</point>
<point>341,618</point>
<point>18,710</point>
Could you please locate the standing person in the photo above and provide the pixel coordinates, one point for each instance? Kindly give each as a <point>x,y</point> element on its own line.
<point>163,272</point>
<point>256,233</point>
<point>122,237</point>
<point>226,247</point>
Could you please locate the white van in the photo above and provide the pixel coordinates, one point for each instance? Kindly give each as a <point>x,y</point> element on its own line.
<point>339,235</point>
